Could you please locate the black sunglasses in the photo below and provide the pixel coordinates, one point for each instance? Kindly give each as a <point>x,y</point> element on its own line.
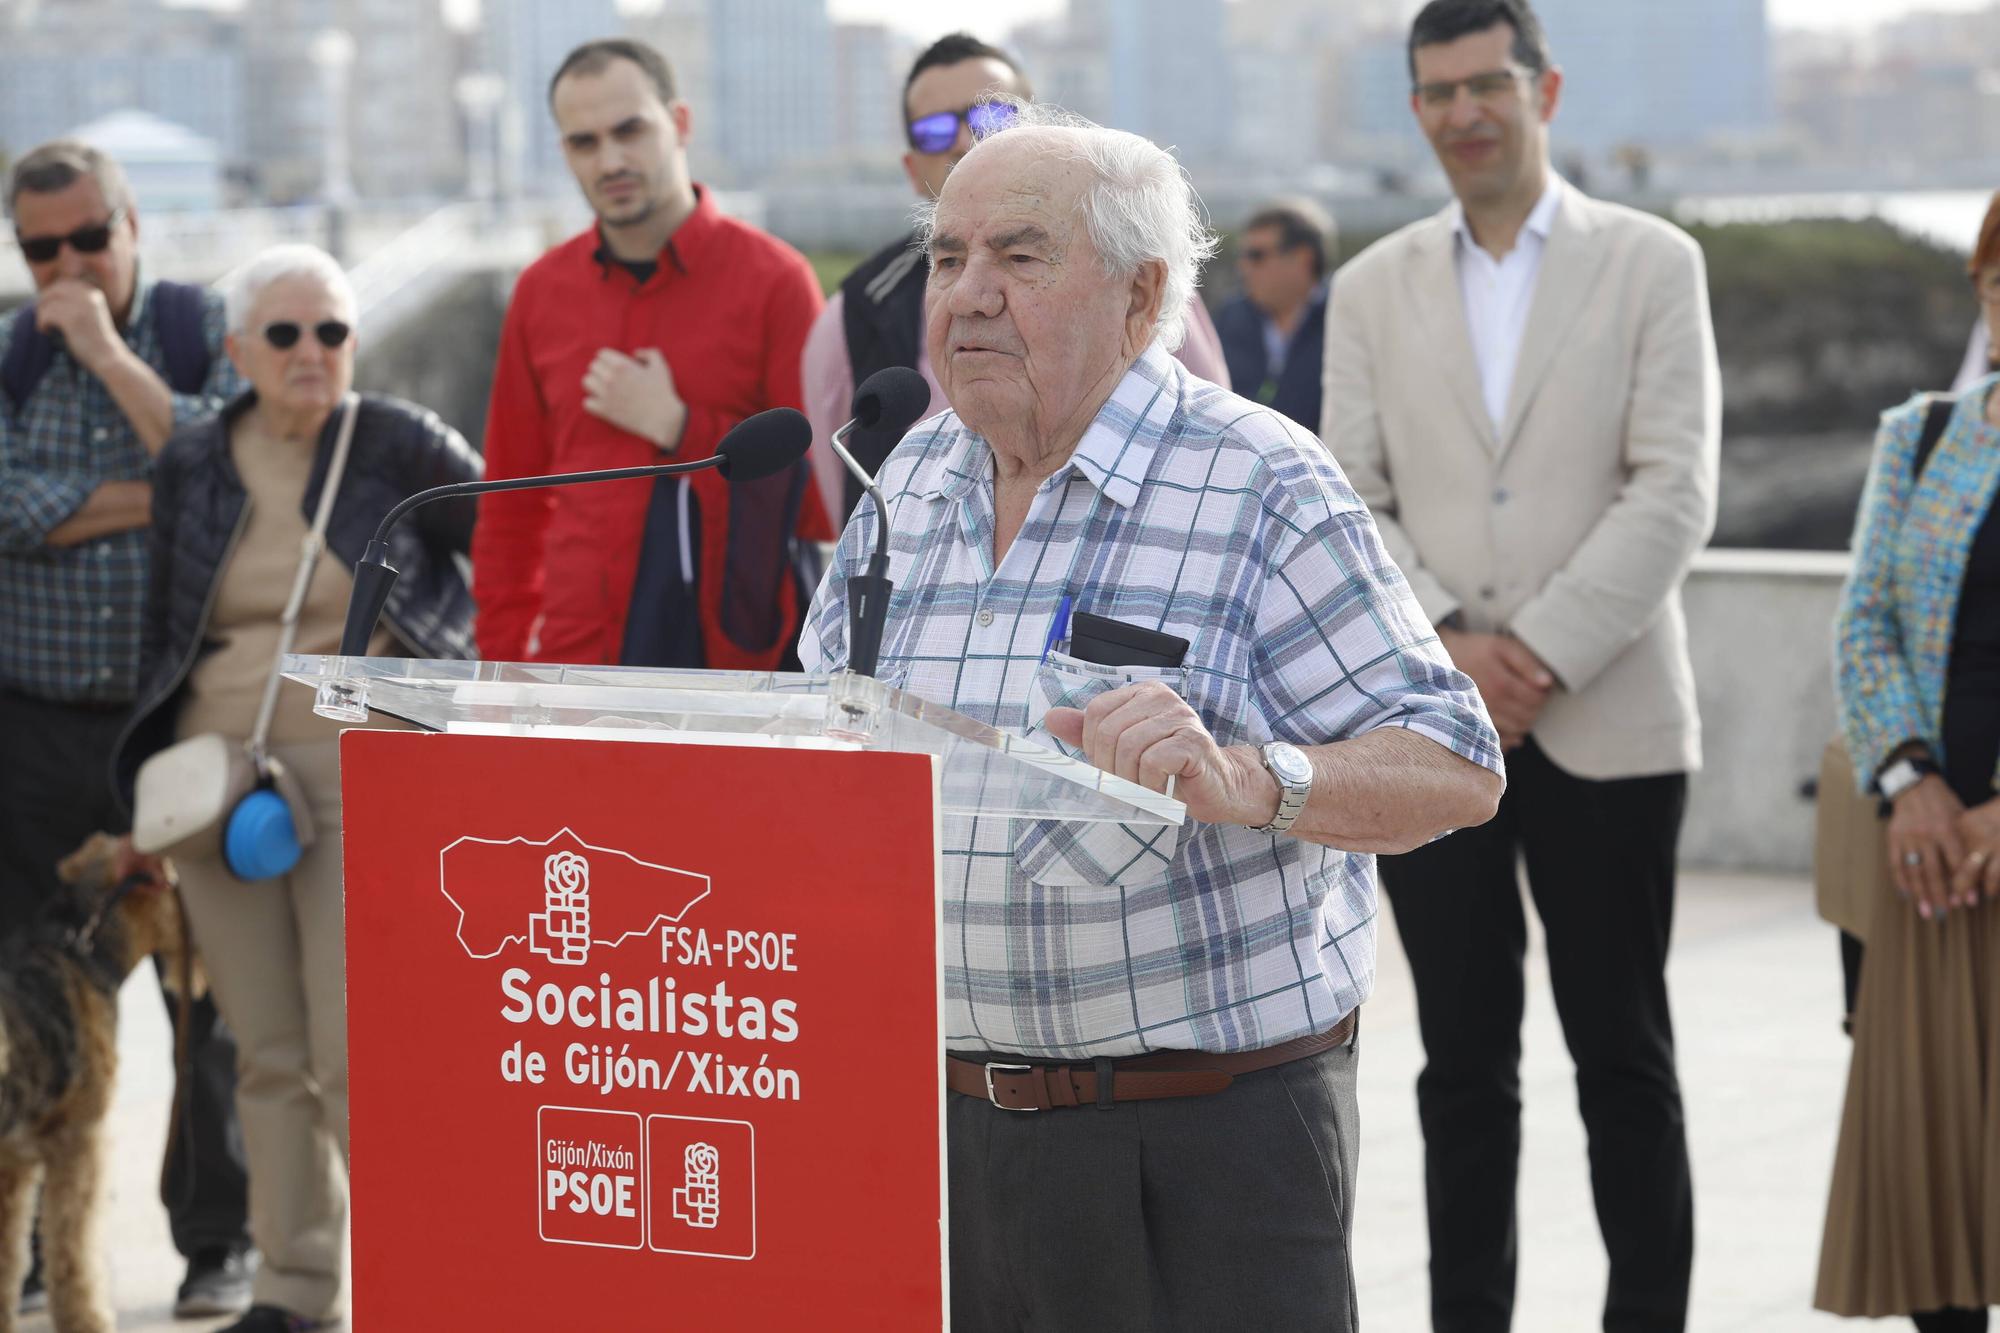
<point>285,333</point>
<point>937,132</point>
<point>88,240</point>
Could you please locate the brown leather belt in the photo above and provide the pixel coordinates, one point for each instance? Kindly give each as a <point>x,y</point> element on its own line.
<point>1030,1087</point>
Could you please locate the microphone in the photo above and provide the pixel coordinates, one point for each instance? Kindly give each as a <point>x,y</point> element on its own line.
<point>890,401</point>
<point>886,405</point>
<point>755,447</point>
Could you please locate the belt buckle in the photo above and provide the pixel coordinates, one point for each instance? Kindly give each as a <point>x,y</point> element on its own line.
<point>993,1096</point>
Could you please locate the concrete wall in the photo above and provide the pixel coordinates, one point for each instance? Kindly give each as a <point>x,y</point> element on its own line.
<point>1760,626</point>
<point>443,358</point>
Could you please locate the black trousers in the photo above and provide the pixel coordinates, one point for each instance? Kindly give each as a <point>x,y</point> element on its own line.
<point>55,791</point>
<point>1183,1215</point>
<point>1852,951</point>
<point>1600,863</point>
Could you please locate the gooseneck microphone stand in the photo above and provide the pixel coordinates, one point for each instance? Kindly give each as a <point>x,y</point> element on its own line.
<point>888,402</point>
<point>867,594</point>
<point>756,447</point>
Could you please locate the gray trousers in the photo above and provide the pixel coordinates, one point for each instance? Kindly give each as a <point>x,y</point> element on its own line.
<point>1230,1211</point>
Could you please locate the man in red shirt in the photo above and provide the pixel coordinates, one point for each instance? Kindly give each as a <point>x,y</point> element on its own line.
<point>643,340</point>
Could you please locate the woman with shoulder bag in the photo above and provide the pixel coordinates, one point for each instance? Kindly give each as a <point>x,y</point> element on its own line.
<point>259,514</point>
<point>1913,1222</point>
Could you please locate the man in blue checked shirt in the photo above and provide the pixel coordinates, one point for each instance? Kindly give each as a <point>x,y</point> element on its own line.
<point>95,374</point>
<point>1182,1010</point>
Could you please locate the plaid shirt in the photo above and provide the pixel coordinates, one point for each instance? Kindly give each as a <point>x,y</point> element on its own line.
<point>1189,510</point>
<point>71,614</point>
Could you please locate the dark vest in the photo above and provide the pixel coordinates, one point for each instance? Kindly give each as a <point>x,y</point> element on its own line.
<point>1296,391</point>
<point>178,313</point>
<point>882,311</point>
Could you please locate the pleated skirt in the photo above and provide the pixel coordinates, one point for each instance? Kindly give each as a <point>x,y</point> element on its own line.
<point>1913,1219</point>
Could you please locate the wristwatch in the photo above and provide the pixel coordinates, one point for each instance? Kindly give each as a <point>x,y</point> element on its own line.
<point>1294,772</point>
<point>1902,775</point>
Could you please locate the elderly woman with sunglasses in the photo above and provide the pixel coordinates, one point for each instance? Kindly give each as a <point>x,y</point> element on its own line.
<point>233,499</point>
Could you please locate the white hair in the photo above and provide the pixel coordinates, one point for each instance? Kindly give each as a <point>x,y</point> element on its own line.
<point>242,287</point>
<point>1140,208</point>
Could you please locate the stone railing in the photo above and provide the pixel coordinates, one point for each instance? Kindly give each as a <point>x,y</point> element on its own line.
<point>1760,626</point>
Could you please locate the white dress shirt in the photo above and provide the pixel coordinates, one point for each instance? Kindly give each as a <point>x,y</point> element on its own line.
<point>1499,292</point>
<point>1275,342</point>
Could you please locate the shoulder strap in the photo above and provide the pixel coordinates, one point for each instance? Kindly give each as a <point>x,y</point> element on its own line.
<point>180,318</point>
<point>1937,416</point>
<point>30,353</point>
<point>309,553</point>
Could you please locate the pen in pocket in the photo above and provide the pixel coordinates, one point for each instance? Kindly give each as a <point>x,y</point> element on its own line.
<point>1059,628</point>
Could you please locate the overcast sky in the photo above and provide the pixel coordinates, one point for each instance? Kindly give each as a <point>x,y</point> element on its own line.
<point>930,18</point>
<point>1854,13</point>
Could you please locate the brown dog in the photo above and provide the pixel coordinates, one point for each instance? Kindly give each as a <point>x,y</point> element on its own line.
<point>59,985</point>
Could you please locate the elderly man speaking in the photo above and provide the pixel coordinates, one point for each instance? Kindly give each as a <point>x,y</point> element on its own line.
<point>1182,1010</point>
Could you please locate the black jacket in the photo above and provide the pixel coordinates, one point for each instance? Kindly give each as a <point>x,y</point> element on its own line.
<point>199,506</point>
<point>882,315</point>
<point>1296,392</point>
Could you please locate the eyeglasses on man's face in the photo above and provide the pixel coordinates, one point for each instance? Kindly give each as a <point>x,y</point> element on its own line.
<point>937,132</point>
<point>1490,88</point>
<point>92,239</point>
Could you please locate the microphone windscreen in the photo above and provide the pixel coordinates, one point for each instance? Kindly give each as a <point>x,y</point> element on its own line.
<point>765,444</point>
<point>891,401</point>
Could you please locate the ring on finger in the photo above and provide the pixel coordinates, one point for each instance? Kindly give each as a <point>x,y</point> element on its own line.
<point>1978,857</point>
<point>1913,858</point>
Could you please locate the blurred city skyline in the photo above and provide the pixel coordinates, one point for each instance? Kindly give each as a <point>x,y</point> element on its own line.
<point>404,102</point>
<point>931,18</point>
<point>926,20</point>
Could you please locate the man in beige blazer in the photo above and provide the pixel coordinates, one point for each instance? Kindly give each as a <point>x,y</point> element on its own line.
<point>1524,390</point>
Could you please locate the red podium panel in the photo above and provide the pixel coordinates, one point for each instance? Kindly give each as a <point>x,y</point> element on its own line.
<point>642,1036</point>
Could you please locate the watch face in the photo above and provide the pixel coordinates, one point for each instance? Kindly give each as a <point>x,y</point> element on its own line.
<point>1289,763</point>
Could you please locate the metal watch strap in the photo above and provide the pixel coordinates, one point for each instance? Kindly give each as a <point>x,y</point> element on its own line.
<point>1291,800</point>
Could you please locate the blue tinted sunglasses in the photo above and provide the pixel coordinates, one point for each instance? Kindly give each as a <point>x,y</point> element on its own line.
<point>937,132</point>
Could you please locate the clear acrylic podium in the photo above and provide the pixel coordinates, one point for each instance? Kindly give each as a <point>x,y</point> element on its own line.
<point>982,771</point>
<point>645,986</point>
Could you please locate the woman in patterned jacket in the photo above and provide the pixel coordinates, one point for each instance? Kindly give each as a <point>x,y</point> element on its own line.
<point>1913,1225</point>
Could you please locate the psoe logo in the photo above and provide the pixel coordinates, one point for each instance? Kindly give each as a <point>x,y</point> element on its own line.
<point>559,897</point>
<point>560,932</point>
<point>701,1186</point>
<point>699,1202</point>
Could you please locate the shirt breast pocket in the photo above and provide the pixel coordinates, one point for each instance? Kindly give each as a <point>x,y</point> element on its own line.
<point>1065,854</point>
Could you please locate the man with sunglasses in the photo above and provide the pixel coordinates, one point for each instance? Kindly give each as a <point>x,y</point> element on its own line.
<point>1273,333</point>
<point>875,320</point>
<point>643,340</point>
<point>95,374</point>
<point>1524,390</point>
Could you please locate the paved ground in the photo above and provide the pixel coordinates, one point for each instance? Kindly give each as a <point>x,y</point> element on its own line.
<point>1756,986</point>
